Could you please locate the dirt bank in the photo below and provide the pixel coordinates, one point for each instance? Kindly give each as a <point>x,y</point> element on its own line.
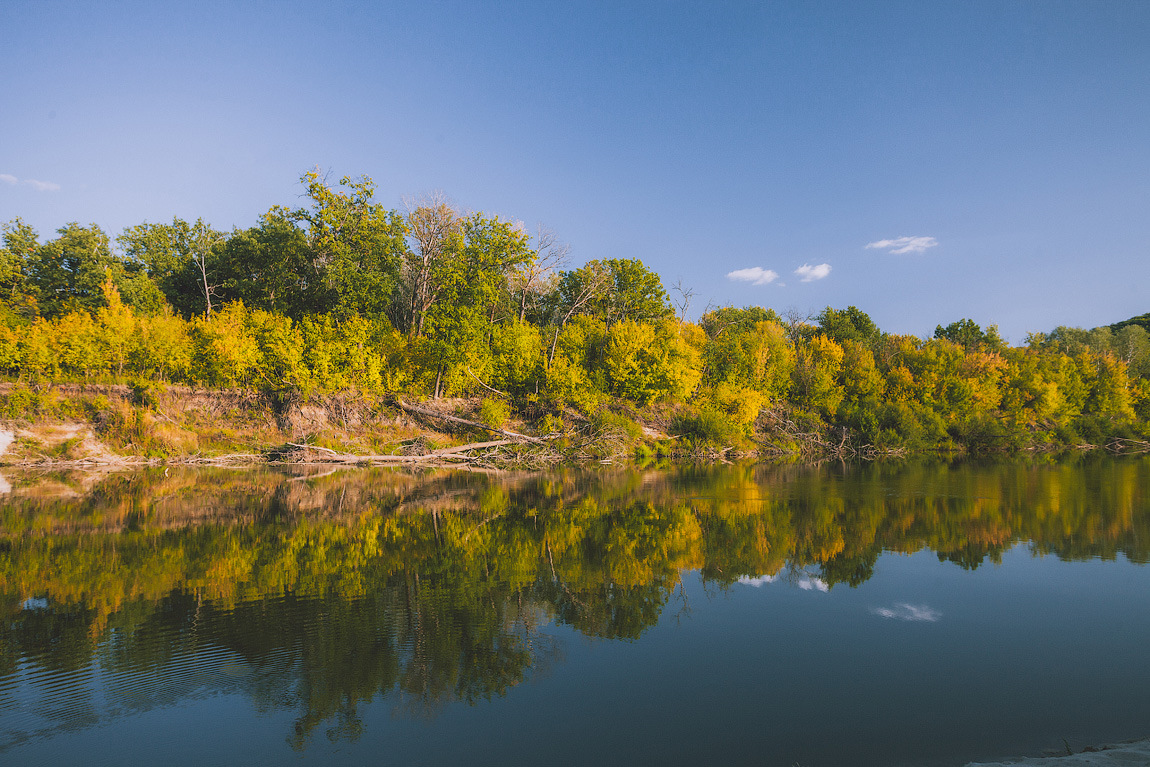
<point>1126,754</point>
<point>117,424</point>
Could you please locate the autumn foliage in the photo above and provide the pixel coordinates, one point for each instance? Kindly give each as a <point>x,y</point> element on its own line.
<point>343,295</point>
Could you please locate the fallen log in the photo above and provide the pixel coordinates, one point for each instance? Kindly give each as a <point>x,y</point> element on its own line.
<point>473,424</point>
<point>457,453</point>
<point>473,446</point>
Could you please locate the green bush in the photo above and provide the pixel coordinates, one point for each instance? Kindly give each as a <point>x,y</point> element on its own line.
<point>494,412</point>
<point>605,421</point>
<point>144,392</point>
<point>707,427</point>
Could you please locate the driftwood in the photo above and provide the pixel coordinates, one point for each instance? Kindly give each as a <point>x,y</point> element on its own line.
<point>473,424</point>
<point>1123,445</point>
<point>492,453</point>
<point>448,456</point>
<point>485,386</point>
<point>812,445</point>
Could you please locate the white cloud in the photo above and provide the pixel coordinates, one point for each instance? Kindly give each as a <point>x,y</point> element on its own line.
<point>8,179</point>
<point>904,244</point>
<point>42,186</point>
<point>906,612</point>
<point>756,275</point>
<point>810,273</point>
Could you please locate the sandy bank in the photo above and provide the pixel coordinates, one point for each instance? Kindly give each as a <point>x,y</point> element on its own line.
<point>1130,754</point>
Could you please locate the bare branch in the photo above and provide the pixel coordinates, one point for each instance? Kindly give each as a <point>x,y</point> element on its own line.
<point>684,300</point>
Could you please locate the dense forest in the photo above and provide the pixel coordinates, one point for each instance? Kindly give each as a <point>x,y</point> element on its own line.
<point>343,295</point>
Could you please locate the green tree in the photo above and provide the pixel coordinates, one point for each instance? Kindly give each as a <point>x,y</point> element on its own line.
<point>967,334</point>
<point>574,372</point>
<point>816,376</point>
<point>470,282</point>
<point>434,228</point>
<point>613,290</point>
<point>180,258</point>
<point>20,244</point>
<point>517,356</point>
<point>850,324</point>
<point>747,348</point>
<point>1132,346</point>
<point>270,267</point>
<point>357,246</point>
<point>68,274</point>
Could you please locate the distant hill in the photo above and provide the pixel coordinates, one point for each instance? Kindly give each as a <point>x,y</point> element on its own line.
<point>1141,319</point>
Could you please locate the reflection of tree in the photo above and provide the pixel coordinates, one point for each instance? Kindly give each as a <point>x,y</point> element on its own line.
<point>355,587</point>
<point>852,569</point>
<point>608,610</point>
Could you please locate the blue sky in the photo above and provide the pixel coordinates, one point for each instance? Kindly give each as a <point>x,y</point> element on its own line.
<point>1011,138</point>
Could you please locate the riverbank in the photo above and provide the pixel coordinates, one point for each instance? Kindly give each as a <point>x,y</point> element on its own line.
<point>1134,753</point>
<point>107,424</point>
<point>148,423</point>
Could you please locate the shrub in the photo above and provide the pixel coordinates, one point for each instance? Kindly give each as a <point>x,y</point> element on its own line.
<point>494,413</point>
<point>707,426</point>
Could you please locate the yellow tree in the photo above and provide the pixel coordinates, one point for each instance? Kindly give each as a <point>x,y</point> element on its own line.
<point>117,328</point>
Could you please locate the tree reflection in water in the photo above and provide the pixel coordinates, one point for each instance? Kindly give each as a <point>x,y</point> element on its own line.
<point>320,595</point>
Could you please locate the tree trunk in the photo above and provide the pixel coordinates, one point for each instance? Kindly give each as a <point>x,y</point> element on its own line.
<point>554,342</point>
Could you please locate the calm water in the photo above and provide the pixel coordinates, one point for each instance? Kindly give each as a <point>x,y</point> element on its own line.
<point>911,614</point>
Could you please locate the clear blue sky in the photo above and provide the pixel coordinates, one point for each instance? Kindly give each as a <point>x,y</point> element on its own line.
<point>1012,138</point>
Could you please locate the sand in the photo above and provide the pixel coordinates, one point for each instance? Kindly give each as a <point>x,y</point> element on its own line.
<point>1130,754</point>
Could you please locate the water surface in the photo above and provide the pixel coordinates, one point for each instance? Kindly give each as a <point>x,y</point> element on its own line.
<point>906,614</point>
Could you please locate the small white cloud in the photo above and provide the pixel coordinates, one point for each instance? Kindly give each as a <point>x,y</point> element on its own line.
<point>42,186</point>
<point>904,244</point>
<point>756,275</point>
<point>906,612</point>
<point>810,273</point>
<point>8,179</point>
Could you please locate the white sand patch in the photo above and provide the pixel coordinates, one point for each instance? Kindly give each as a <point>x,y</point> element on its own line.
<point>1131,754</point>
<point>6,440</point>
<point>651,433</point>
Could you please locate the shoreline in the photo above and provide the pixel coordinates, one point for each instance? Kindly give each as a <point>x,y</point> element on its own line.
<point>73,425</point>
<point>1130,753</point>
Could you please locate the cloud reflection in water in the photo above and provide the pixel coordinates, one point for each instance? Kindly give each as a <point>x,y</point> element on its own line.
<point>907,612</point>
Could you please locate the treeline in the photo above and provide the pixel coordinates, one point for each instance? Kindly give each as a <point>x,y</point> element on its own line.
<point>343,294</point>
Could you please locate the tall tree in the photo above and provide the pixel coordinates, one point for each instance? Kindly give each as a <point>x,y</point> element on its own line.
<point>180,259</point>
<point>68,274</point>
<point>435,229</point>
<point>469,282</point>
<point>20,243</point>
<point>270,267</point>
<point>612,290</point>
<point>967,334</point>
<point>850,324</point>
<point>357,245</point>
<point>533,280</point>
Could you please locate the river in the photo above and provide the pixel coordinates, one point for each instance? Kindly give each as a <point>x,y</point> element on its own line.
<point>908,613</point>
